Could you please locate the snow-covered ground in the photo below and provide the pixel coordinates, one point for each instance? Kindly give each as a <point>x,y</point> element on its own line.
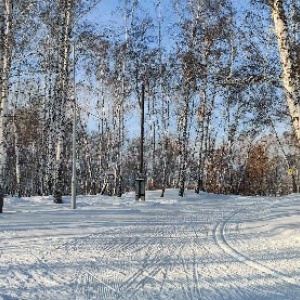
<point>197,247</point>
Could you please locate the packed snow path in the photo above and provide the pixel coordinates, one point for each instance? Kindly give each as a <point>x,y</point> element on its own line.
<point>197,247</point>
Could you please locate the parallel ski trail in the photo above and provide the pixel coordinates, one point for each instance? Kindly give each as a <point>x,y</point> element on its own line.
<point>221,241</point>
<point>158,250</point>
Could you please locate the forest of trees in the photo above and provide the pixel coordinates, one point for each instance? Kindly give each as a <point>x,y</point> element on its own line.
<point>209,89</point>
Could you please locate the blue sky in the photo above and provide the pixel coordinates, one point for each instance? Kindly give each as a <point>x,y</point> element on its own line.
<point>107,15</point>
<point>110,14</point>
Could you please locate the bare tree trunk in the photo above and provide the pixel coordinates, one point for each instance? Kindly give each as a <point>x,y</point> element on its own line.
<point>163,108</point>
<point>184,143</point>
<point>17,154</point>
<point>61,99</point>
<point>6,44</point>
<point>288,63</point>
<point>204,118</point>
<point>88,161</point>
<point>119,133</point>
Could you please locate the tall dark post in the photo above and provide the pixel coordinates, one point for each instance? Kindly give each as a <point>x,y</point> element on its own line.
<point>1,199</point>
<point>140,182</point>
<point>142,106</point>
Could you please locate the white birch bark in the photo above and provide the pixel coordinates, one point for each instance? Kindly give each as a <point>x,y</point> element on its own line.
<point>183,146</point>
<point>17,153</point>
<point>61,99</point>
<point>5,63</point>
<point>290,81</point>
<point>164,114</point>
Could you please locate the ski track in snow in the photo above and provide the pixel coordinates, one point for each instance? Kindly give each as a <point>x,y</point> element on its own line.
<point>187,248</point>
<point>220,238</point>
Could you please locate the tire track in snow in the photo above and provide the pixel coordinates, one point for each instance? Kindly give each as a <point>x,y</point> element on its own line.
<point>220,239</point>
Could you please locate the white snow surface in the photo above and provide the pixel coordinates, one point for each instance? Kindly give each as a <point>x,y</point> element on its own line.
<point>197,247</point>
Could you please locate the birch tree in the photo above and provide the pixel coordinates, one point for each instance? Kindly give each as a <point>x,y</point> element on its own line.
<point>6,47</point>
<point>281,10</point>
<point>61,94</point>
<point>290,78</point>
